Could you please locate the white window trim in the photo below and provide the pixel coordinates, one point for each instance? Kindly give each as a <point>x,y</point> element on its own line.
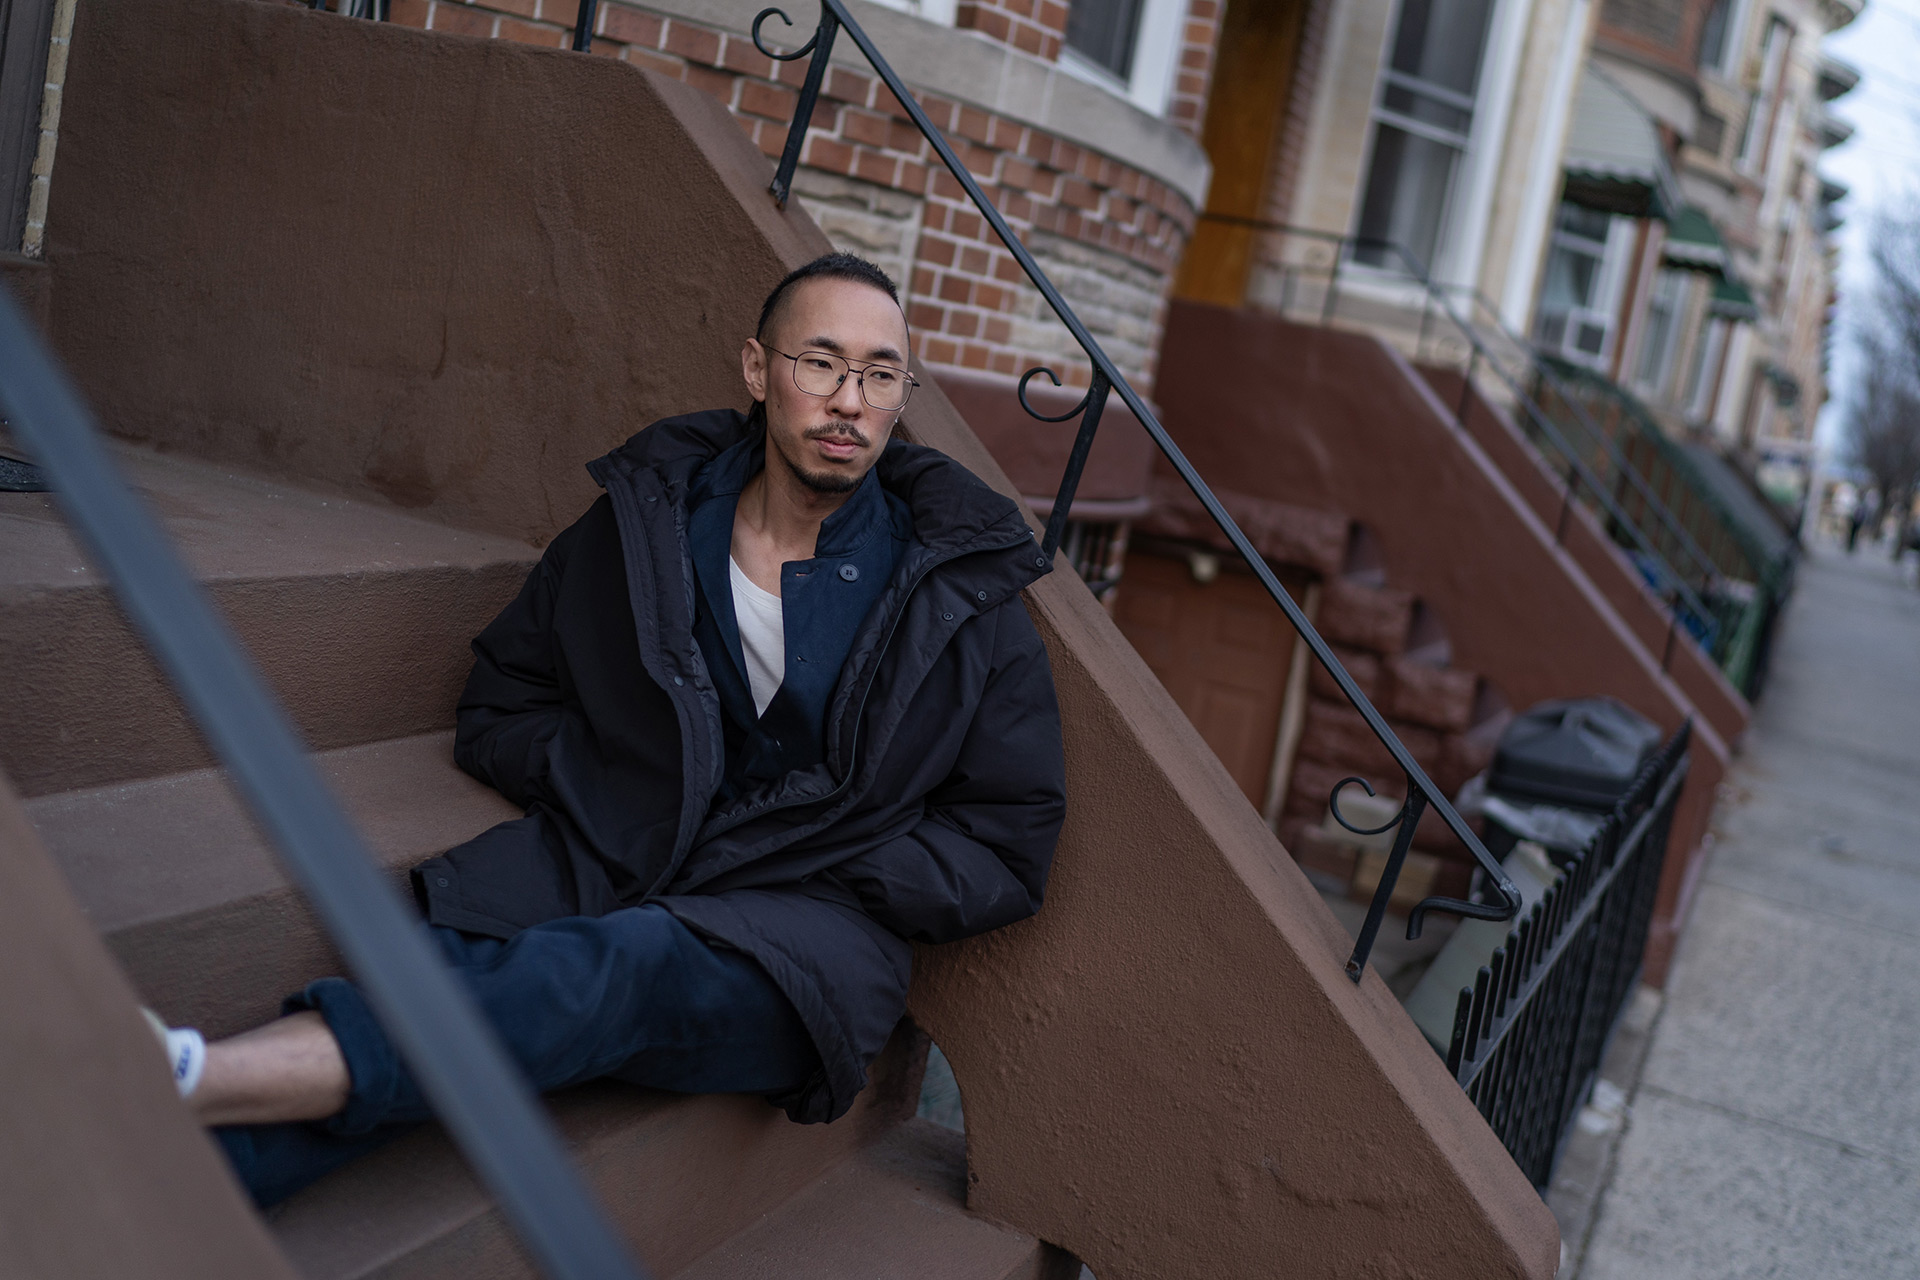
<point>1616,263</point>
<point>1766,96</point>
<point>1706,367</point>
<point>1540,202</point>
<point>1675,281</point>
<point>1463,237</point>
<point>1738,12</point>
<point>1156,58</point>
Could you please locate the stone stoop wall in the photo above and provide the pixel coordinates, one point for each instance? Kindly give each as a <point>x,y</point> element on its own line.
<point>1436,708</point>
<point>1602,558</point>
<point>1449,718</point>
<point>121,1180</point>
<point>1167,1073</point>
<point>1107,233</point>
<point>1363,433</point>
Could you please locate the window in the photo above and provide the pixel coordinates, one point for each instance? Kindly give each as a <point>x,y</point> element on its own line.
<point>1758,129</point>
<point>1104,32</point>
<point>1663,330</point>
<point>1707,350</point>
<point>1128,47</point>
<point>1576,298</point>
<point>1710,133</point>
<point>1714,33</point>
<point>1422,126</point>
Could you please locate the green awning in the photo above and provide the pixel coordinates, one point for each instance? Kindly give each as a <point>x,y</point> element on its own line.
<point>1694,244</point>
<point>1732,301</point>
<point>1615,160</point>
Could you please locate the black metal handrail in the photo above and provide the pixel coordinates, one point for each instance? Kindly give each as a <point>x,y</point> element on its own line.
<point>1107,379</point>
<point>1680,593</point>
<point>1542,371</point>
<point>1528,1035</point>
<point>476,1090</point>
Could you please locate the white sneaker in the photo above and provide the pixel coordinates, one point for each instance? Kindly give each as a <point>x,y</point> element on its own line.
<point>186,1051</point>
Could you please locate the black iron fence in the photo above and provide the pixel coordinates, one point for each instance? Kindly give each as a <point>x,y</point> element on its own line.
<point>1529,1034</point>
<point>1107,380</point>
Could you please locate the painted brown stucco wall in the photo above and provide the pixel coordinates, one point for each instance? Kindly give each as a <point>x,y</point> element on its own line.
<point>107,1175</point>
<point>452,288</point>
<point>1340,419</point>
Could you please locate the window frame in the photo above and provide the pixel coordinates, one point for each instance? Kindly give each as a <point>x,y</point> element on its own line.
<point>1615,261</point>
<point>1756,133</point>
<point>1458,246</point>
<point>1157,42</point>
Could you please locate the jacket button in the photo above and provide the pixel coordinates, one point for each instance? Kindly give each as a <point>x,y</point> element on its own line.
<point>653,497</point>
<point>983,595</point>
<point>946,617</point>
<point>677,680</point>
<point>443,882</point>
<point>850,572</point>
<point>1040,562</point>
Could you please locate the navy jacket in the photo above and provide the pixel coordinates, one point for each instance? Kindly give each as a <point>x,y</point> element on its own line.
<point>823,602</point>
<point>931,814</point>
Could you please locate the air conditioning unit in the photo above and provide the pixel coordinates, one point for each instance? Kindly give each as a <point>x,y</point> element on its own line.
<point>1577,334</point>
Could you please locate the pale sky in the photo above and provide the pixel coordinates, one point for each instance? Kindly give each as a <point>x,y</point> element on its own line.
<point>1880,163</point>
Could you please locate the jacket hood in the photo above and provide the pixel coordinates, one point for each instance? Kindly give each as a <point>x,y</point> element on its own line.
<point>954,511</point>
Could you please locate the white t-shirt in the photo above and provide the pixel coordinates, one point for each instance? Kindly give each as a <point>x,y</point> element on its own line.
<point>763,636</point>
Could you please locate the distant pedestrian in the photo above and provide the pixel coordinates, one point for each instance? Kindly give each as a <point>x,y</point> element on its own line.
<point>1855,519</point>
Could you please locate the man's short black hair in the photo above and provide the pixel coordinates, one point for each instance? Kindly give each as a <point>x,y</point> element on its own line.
<point>829,266</point>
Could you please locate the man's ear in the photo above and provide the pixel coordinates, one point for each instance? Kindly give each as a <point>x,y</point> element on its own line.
<point>753,368</point>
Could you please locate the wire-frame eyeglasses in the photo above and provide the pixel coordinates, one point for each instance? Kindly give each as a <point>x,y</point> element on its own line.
<point>821,373</point>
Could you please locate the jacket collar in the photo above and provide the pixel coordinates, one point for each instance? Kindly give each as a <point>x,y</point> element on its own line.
<point>953,511</point>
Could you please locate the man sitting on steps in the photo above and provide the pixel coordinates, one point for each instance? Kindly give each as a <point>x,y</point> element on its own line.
<point>775,710</point>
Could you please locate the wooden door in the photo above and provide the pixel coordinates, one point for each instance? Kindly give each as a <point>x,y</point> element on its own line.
<point>1222,649</point>
<point>1246,107</point>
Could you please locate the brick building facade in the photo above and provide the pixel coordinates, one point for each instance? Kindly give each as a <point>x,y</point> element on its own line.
<point>1108,228</point>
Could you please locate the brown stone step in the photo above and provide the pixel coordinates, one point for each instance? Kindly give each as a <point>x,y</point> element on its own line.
<point>195,905</point>
<point>198,912</point>
<point>358,614</point>
<point>709,1188</point>
<point>897,1208</point>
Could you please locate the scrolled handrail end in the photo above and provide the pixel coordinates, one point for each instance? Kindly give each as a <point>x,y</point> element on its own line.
<point>1054,378</point>
<point>775,11</point>
<point>1333,807</point>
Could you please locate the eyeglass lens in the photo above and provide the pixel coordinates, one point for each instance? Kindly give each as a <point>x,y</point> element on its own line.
<point>819,373</point>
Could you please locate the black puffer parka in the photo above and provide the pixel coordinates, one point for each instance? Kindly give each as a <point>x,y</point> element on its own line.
<point>932,818</point>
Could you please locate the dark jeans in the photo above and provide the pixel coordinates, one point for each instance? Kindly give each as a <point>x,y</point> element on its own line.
<point>633,995</point>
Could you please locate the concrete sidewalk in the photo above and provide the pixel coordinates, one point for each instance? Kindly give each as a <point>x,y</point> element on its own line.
<point>1775,1128</point>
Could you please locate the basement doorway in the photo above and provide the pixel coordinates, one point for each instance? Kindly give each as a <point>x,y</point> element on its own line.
<point>1226,653</point>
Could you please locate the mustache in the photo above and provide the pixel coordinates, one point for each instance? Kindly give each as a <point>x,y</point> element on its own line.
<point>831,432</point>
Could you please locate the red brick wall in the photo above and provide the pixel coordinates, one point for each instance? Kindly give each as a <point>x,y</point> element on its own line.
<point>1293,132</point>
<point>967,295</point>
<point>1193,79</point>
<point>1037,27</point>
